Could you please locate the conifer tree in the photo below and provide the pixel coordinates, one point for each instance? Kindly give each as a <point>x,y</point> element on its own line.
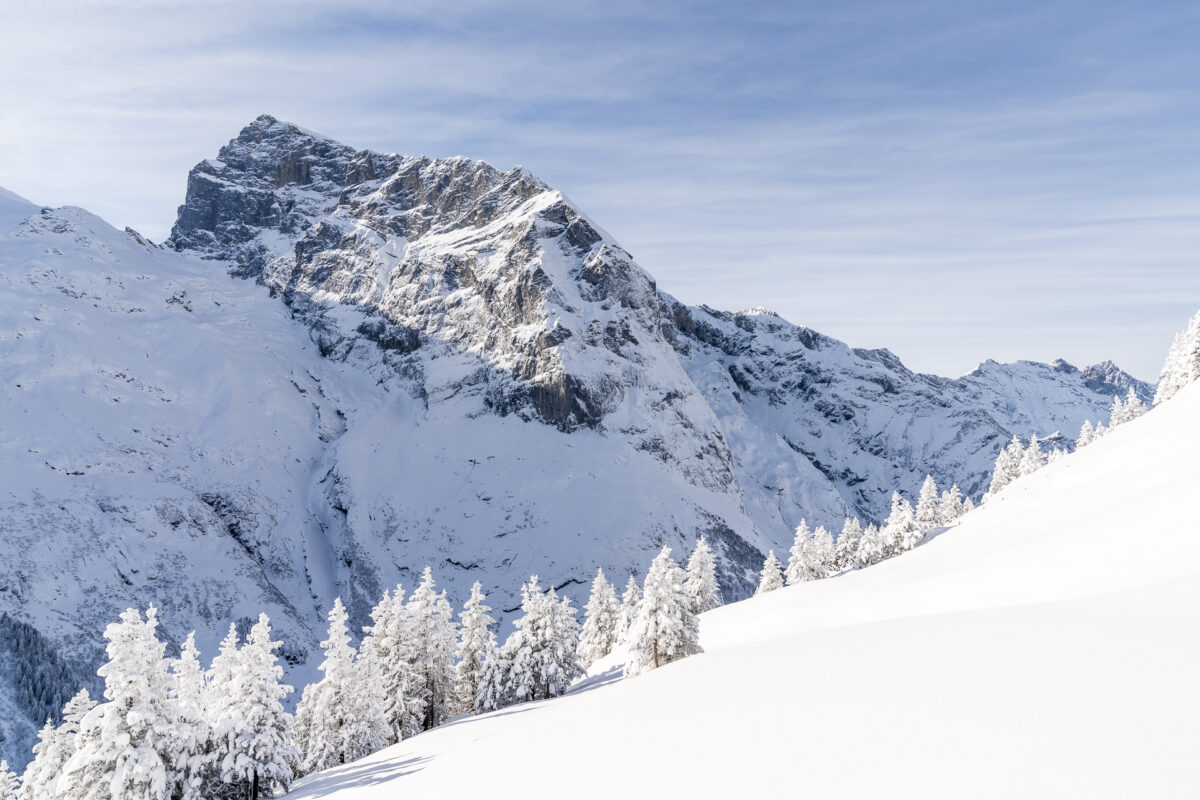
<point>846,553</point>
<point>629,608</point>
<point>390,640</point>
<point>1116,415</point>
<point>701,583</point>
<point>1032,459</point>
<point>127,747</point>
<point>1134,407</point>
<point>871,546</point>
<point>252,731</point>
<point>666,627</point>
<point>968,505</point>
<point>928,505</point>
<point>9,782</point>
<point>1008,466</point>
<point>542,650</point>
<point>771,577</point>
<point>434,638</point>
<point>493,682</point>
<point>54,748</point>
<point>901,531</point>
<point>1183,362</point>
<point>1086,434</point>
<point>189,696</point>
<point>800,565</point>
<point>1101,431</point>
<point>822,552</point>
<point>601,616</point>
<point>950,507</point>
<point>475,641</point>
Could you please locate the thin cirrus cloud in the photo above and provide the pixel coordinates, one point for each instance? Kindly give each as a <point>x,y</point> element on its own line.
<point>952,181</point>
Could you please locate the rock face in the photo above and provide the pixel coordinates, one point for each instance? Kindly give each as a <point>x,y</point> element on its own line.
<point>418,362</point>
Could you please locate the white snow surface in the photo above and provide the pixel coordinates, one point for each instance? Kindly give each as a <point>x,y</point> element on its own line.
<point>1046,646</point>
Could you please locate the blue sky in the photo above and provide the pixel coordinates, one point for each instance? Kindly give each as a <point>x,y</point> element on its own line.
<point>954,181</point>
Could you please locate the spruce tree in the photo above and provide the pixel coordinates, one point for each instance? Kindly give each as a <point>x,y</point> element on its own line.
<point>871,546</point>
<point>1032,459</point>
<point>666,627</point>
<point>9,782</point>
<point>771,577</point>
<point>629,608</point>
<point>1086,434</point>
<point>800,565</point>
<point>1183,362</point>
<point>189,696</point>
<point>475,641</point>
<point>54,749</point>
<point>928,505</point>
<point>950,507</point>
<point>542,649</point>
<point>701,583</point>
<point>434,638</point>
<point>1134,407</point>
<point>1008,466</point>
<point>390,638</point>
<point>127,747</point>
<point>601,616</point>
<point>901,531</point>
<point>846,551</point>
<point>493,682</point>
<point>1116,414</point>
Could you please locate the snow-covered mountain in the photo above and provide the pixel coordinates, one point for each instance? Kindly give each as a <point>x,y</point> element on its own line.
<point>418,362</point>
<point>1044,647</point>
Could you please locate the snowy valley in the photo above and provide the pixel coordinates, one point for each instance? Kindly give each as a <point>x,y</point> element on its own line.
<point>345,365</point>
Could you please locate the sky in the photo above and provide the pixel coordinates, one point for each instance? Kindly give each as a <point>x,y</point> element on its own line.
<point>954,181</point>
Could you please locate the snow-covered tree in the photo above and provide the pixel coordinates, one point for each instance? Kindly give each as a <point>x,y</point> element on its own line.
<point>701,583</point>
<point>434,638</point>
<point>493,682</point>
<point>251,731</point>
<point>1101,431</point>
<point>871,546</point>
<point>666,627</point>
<point>475,641</point>
<point>542,648</point>
<point>391,644</point>
<point>1134,407</point>
<point>1008,466</point>
<point>771,577</point>
<point>928,505</point>
<point>1032,459</point>
<point>189,697</point>
<point>629,608</point>
<point>127,748</point>
<point>824,552</point>
<point>845,555</point>
<point>968,505</point>
<point>1055,454</point>
<point>1087,434</point>
<point>343,712</point>
<point>950,507</point>
<point>800,566</point>
<point>54,748</point>
<point>601,616</point>
<point>901,531</point>
<point>9,782</point>
<point>1116,414</point>
<point>1183,362</point>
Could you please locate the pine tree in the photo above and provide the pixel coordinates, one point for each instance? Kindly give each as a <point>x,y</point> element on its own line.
<point>846,553</point>
<point>344,716</point>
<point>493,682</point>
<point>701,584</point>
<point>823,552</point>
<point>871,547</point>
<point>54,749</point>
<point>390,640</point>
<point>771,577</point>
<point>127,747</point>
<point>901,531</point>
<point>666,627</point>
<point>9,782</point>
<point>1008,466</point>
<point>800,565</point>
<point>220,694</point>
<point>1101,431</point>
<point>541,649</point>
<point>629,608</point>
<point>1183,362</point>
<point>434,637</point>
<point>253,732</point>
<point>928,505</point>
<point>950,507</point>
<point>1032,458</point>
<point>1134,407</point>
<point>601,616</point>
<point>189,697</point>
<point>968,505</point>
<point>475,641</point>
<point>1087,434</point>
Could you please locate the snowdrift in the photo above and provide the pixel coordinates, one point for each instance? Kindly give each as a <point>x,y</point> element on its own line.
<point>1044,647</point>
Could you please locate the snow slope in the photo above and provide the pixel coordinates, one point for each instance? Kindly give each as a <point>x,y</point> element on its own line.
<point>1044,647</point>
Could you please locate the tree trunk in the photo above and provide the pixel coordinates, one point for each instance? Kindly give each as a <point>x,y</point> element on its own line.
<point>254,788</point>
<point>656,653</point>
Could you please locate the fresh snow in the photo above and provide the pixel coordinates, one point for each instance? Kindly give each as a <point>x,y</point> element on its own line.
<point>1046,646</point>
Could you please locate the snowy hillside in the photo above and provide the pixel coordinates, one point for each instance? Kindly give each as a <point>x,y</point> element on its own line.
<point>1044,647</point>
<point>421,362</point>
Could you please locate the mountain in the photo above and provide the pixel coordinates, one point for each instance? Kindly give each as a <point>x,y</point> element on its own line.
<point>415,362</point>
<point>1041,648</point>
